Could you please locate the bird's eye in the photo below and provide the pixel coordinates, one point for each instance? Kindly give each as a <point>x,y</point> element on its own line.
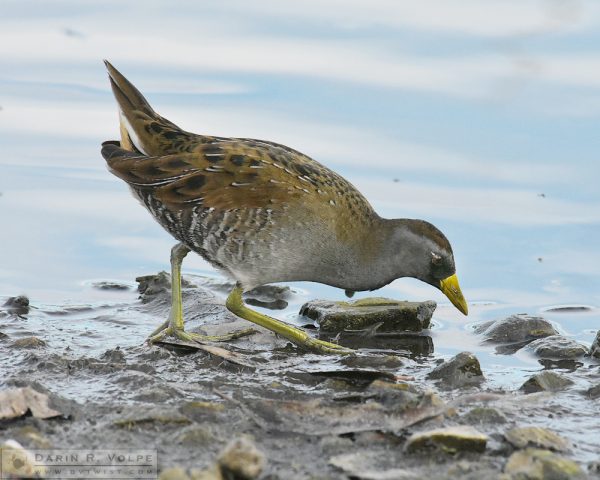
<point>436,259</point>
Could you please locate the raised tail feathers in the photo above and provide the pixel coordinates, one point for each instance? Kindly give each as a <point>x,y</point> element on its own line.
<point>139,123</point>
<point>128,97</point>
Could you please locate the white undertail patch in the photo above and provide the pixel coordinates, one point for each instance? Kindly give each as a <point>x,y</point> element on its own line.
<point>131,132</point>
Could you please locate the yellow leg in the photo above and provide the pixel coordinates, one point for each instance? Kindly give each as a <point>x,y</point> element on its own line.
<point>236,305</point>
<point>174,325</point>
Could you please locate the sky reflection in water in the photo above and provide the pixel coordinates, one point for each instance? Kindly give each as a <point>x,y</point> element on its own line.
<point>484,124</point>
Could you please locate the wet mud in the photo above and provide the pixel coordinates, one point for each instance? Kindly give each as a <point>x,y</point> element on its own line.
<point>377,414</point>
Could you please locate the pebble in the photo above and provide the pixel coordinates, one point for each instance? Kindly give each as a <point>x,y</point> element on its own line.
<point>535,464</point>
<point>22,462</point>
<point>557,347</point>
<point>392,315</point>
<point>241,459</point>
<point>547,381</point>
<point>450,439</point>
<point>462,370</point>
<point>17,305</point>
<point>107,285</point>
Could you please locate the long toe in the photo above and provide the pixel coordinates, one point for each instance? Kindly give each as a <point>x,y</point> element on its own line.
<point>198,338</point>
<point>168,331</point>
<point>320,346</point>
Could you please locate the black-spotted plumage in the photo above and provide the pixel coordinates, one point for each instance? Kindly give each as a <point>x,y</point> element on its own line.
<point>264,212</point>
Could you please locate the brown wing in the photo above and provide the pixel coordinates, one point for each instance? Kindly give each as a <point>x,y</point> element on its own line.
<point>226,175</point>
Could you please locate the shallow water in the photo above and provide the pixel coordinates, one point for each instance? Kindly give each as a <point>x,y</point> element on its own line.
<point>486,127</point>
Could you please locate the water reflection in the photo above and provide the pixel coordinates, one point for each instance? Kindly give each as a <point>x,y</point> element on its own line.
<point>472,140</point>
<point>405,344</point>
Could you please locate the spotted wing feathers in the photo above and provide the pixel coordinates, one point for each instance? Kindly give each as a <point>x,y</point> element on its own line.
<point>223,177</point>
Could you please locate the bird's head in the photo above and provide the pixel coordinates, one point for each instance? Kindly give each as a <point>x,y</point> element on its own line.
<point>422,251</point>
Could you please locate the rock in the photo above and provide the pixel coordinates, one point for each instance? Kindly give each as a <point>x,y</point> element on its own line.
<point>106,285</point>
<point>523,437</point>
<point>534,464</point>
<point>371,465</point>
<point>462,370</point>
<point>357,377</point>
<point>361,314</point>
<point>413,343</point>
<point>516,329</point>
<point>17,305</point>
<point>150,286</point>
<point>570,309</point>
<point>267,296</point>
<point>18,462</point>
<point>548,381</point>
<point>16,402</point>
<point>594,467</point>
<point>481,415</point>
<point>451,440</point>
<point>557,347</point>
<point>114,355</point>
<point>273,297</point>
<point>593,392</point>
<point>595,348</point>
<point>394,395</point>
<point>241,459</point>
<point>371,361</point>
<point>28,342</point>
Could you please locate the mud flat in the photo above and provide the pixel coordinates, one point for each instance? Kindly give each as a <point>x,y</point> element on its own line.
<point>80,376</point>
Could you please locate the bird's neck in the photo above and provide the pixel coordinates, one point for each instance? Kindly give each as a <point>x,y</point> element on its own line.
<point>389,250</point>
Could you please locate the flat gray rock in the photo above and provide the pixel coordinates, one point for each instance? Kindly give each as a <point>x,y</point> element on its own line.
<point>516,329</point>
<point>557,347</point>
<point>546,381</point>
<point>451,440</point>
<point>389,315</point>
<point>524,437</point>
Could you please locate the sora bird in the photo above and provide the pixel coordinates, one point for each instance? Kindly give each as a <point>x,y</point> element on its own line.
<point>262,213</point>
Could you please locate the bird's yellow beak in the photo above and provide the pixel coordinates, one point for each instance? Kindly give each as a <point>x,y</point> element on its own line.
<point>451,289</point>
